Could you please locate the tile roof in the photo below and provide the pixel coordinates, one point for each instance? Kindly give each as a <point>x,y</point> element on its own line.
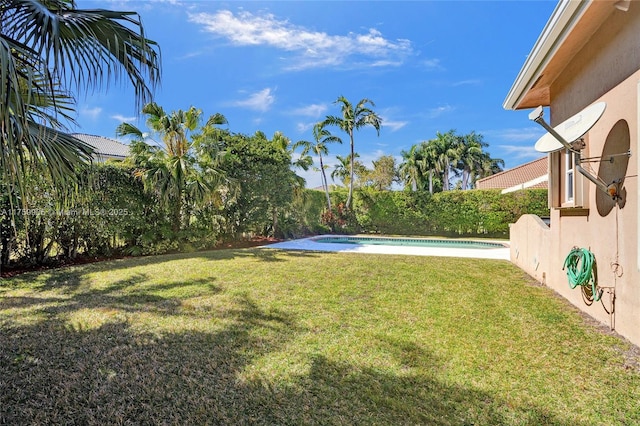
<point>106,148</point>
<point>531,171</point>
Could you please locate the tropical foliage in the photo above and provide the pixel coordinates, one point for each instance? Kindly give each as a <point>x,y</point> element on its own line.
<point>204,174</point>
<point>182,172</point>
<point>49,49</point>
<point>342,171</point>
<point>130,208</point>
<point>435,162</point>
<point>384,173</point>
<point>114,214</point>
<point>412,168</point>
<point>190,183</point>
<point>321,138</point>
<point>486,213</point>
<point>266,184</point>
<point>352,118</point>
<point>107,212</point>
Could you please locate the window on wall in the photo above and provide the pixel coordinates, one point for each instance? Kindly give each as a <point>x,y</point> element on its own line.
<point>567,189</point>
<point>568,182</point>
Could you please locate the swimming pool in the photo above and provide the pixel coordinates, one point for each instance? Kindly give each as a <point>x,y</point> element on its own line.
<point>413,242</point>
<point>398,246</point>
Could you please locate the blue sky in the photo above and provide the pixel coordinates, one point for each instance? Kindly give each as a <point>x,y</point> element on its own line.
<point>429,66</point>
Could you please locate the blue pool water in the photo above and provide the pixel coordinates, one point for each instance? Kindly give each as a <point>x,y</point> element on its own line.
<point>415,242</point>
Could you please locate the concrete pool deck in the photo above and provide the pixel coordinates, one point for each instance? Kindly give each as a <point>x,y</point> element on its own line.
<point>311,245</point>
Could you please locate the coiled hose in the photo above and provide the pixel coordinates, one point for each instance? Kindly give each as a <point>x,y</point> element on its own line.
<point>579,264</point>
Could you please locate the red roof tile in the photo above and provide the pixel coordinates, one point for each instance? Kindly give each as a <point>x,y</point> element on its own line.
<point>517,176</point>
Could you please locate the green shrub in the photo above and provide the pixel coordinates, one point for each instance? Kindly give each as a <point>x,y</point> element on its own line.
<point>106,212</point>
<point>449,213</point>
<point>304,217</point>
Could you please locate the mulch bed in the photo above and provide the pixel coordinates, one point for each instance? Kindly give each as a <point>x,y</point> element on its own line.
<point>9,272</point>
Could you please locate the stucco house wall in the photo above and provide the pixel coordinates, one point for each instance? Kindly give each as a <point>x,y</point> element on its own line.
<point>606,68</point>
<point>530,245</point>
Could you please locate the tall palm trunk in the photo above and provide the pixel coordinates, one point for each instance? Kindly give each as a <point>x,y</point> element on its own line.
<point>445,175</point>
<point>178,210</point>
<point>176,224</point>
<point>325,184</point>
<point>465,178</point>
<point>431,181</point>
<point>351,173</point>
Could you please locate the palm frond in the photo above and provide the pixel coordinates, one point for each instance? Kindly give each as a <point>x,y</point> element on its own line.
<point>216,119</point>
<point>89,48</point>
<point>127,129</point>
<point>47,48</point>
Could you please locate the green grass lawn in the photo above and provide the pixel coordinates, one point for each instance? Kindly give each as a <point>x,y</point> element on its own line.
<point>258,336</point>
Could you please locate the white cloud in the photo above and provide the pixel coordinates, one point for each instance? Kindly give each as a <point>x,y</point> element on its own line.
<point>92,113</point>
<point>311,49</point>
<point>190,55</point>
<point>313,110</point>
<point>145,5</point>
<point>432,64</point>
<point>121,118</point>
<point>525,134</point>
<point>259,101</point>
<point>370,157</point>
<point>520,152</point>
<point>471,82</point>
<point>304,127</point>
<point>394,125</point>
<point>438,111</point>
<point>386,63</point>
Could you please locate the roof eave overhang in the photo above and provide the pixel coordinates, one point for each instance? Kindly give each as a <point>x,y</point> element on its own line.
<point>563,19</point>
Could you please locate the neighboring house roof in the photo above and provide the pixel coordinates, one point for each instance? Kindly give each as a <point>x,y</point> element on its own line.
<point>529,175</point>
<point>105,148</point>
<point>557,45</point>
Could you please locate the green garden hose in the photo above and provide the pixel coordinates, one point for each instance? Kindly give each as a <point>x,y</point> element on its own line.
<point>579,264</point>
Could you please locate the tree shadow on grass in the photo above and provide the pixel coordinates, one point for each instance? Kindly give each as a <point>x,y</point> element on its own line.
<point>71,277</point>
<point>51,373</point>
<point>126,296</point>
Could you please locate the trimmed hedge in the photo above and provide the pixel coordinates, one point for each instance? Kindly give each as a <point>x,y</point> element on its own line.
<point>486,213</point>
<point>113,214</point>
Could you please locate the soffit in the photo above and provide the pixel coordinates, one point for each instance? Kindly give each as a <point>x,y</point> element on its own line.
<point>537,91</point>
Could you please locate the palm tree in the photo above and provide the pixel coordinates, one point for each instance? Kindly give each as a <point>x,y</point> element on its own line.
<point>304,161</point>
<point>411,169</point>
<point>430,161</point>
<point>341,170</point>
<point>445,147</point>
<point>49,48</point>
<point>171,170</point>
<point>470,157</point>
<point>354,118</point>
<point>473,162</point>
<point>321,137</point>
<point>487,166</point>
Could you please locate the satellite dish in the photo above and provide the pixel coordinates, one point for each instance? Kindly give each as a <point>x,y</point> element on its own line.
<point>569,130</point>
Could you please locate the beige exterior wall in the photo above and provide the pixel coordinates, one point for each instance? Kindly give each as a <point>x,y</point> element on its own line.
<point>610,56</point>
<point>530,243</point>
<point>606,69</point>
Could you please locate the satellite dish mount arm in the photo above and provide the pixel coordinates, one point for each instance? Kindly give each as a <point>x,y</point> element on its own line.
<point>537,116</point>
<point>612,189</point>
